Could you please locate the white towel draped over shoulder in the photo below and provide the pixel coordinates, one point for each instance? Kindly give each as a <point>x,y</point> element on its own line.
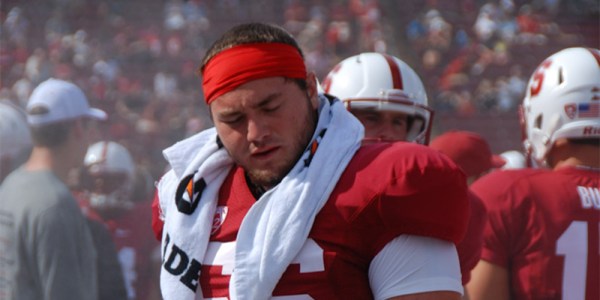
<point>275,228</point>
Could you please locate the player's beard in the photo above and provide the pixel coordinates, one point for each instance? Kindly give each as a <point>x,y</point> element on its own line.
<point>268,178</point>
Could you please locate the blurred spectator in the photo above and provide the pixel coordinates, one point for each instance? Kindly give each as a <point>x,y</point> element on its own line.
<point>22,90</point>
<point>439,31</point>
<point>45,237</point>
<point>516,83</point>
<point>16,26</point>
<point>120,54</point>
<point>37,67</point>
<point>485,27</point>
<point>530,27</point>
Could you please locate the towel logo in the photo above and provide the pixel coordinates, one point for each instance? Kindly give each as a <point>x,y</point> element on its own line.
<point>219,218</point>
<point>188,194</point>
<point>181,264</point>
<point>314,145</point>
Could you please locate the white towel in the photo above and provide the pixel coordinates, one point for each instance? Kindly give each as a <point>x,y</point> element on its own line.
<point>276,227</point>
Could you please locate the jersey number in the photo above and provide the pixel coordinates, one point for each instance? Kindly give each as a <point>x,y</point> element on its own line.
<point>310,258</point>
<point>573,245</point>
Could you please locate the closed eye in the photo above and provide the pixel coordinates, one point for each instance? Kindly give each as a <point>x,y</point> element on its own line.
<point>270,103</point>
<point>231,118</point>
<point>271,107</point>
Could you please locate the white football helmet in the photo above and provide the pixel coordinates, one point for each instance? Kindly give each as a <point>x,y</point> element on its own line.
<point>383,82</point>
<point>15,139</point>
<point>562,101</point>
<point>14,132</point>
<point>109,176</point>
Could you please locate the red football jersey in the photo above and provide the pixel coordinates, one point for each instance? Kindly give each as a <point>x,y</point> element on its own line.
<point>543,227</point>
<point>469,249</point>
<point>135,244</point>
<point>136,247</point>
<point>157,221</point>
<point>386,190</point>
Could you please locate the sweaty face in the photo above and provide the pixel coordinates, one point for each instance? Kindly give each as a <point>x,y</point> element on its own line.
<point>265,126</point>
<point>383,125</point>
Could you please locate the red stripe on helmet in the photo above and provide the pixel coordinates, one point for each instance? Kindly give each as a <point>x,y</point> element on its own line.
<point>104,153</point>
<point>395,70</point>
<point>596,55</point>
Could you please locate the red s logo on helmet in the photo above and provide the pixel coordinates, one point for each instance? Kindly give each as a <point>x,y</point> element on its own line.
<point>538,78</point>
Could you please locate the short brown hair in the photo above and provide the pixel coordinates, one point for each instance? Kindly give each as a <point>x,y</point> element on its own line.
<point>51,135</point>
<point>247,34</point>
<point>585,141</point>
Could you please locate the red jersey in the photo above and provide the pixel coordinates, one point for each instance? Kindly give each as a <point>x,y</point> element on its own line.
<point>543,227</point>
<point>386,190</point>
<point>136,247</point>
<point>469,249</point>
<point>157,217</point>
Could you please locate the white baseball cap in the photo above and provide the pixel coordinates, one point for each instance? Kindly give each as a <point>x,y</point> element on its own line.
<point>57,100</point>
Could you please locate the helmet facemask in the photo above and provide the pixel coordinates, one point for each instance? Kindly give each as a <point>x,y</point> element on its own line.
<point>108,192</point>
<point>419,117</point>
<point>108,178</point>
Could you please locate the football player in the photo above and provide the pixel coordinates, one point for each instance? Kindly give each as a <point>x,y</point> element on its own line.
<point>542,238</point>
<point>389,99</point>
<point>107,182</point>
<point>385,94</point>
<point>280,199</point>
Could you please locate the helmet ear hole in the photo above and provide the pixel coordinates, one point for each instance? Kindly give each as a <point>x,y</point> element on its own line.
<point>560,76</point>
<point>538,122</point>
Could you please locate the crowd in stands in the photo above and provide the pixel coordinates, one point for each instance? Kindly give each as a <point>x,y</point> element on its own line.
<point>138,59</point>
<point>475,56</point>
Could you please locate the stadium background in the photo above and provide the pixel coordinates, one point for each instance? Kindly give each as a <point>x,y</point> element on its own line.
<point>137,59</point>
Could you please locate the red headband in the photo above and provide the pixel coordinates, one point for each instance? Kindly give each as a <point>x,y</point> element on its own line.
<point>240,64</point>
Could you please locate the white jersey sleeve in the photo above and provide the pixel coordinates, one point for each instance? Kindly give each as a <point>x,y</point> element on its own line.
<point>414,264</point>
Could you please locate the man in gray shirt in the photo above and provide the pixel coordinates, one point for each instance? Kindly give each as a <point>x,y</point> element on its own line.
<point>46,249</point>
